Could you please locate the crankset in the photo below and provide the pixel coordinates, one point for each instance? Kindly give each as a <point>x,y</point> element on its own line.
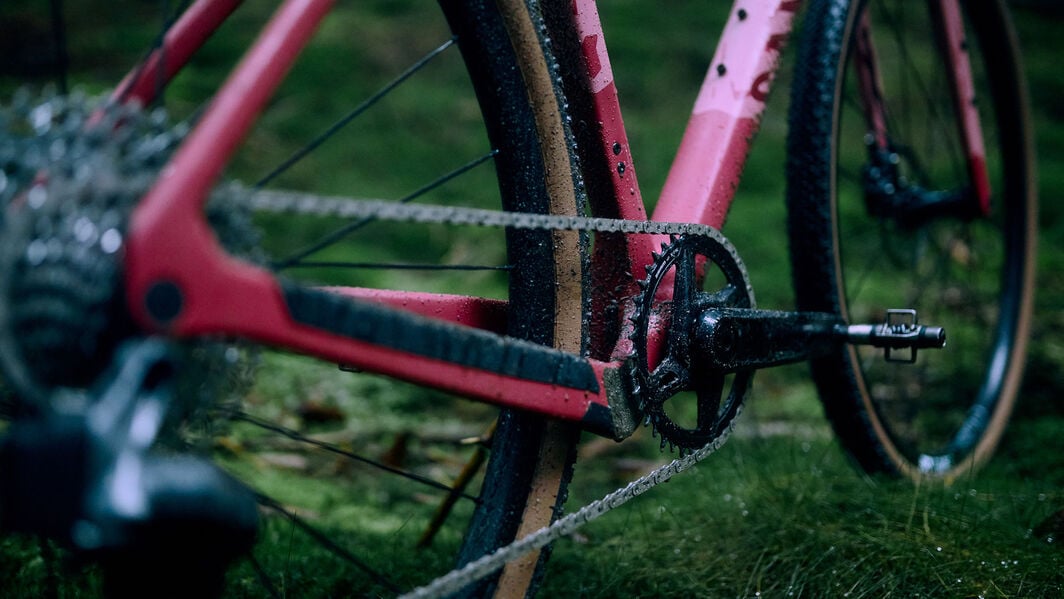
<point>730,340</point>
<point>707,338</point>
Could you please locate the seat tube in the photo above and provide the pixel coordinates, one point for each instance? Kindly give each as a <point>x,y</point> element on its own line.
<point>702,181</point>
<point>705,174</point>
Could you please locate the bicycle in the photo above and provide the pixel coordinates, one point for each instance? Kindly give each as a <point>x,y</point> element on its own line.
<point>584,339</point>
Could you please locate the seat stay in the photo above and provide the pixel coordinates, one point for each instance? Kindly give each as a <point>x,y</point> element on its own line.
<point>187,35</point>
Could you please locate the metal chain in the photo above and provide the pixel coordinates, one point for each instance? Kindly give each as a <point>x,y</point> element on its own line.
<point>318,205</point>
<point>456,580</point>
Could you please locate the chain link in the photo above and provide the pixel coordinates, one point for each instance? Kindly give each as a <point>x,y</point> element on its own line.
<point>318,205</point>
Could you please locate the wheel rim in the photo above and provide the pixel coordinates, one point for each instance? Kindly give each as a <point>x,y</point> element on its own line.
<point>530,282</point>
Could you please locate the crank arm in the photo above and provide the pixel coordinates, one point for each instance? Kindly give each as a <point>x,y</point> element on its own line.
<point>733,340</point>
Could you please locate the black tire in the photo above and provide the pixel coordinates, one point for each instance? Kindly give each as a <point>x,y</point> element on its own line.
<point>972,275</point>
<point>531,462</point>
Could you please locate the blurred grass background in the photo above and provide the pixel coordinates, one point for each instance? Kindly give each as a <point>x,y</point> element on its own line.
<point>780,512</point>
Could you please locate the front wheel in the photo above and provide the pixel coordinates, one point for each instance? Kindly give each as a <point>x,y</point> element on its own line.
<point>882,215</point>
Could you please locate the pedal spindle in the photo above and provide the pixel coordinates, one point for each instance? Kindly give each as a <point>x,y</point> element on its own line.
<point>901,330</point>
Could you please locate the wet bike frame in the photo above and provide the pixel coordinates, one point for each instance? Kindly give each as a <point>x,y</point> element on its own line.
<point>180,282</point>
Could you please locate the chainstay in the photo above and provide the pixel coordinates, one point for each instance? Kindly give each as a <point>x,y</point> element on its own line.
<point>352,208</point>
<point>459,578</point>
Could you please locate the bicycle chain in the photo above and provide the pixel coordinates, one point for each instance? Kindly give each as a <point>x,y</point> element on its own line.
<point>343,207</point>
<point>311,204</point>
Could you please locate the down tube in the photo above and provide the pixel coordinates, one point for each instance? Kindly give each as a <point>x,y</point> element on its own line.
<point>705,174</point>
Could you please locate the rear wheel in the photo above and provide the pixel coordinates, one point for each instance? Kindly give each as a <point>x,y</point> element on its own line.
<point>859,248</point>
<point>526,478</point>
<point>515,101</point>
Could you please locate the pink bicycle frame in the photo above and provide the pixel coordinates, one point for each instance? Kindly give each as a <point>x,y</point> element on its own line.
<point>181,282</point>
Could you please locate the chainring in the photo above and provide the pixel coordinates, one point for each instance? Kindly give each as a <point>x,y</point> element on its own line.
<point>704,272</point>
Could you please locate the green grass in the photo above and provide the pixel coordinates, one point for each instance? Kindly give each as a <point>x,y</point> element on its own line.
<point>780,517</point>
<point>776,514</point>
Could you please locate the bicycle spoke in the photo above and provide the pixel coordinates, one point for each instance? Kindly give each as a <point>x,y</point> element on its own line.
<point>358,110</point>
<point>911,77</point>
<point>399,266</point>
<point>159,45</point>
<point>59,38</point>
<point>349,228</point>
<point>470,470</point>
<point>297,436</point>
<point>264,578</point>
<point>326,542</point>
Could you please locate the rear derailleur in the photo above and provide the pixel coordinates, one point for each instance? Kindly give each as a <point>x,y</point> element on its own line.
<point>80,470</point>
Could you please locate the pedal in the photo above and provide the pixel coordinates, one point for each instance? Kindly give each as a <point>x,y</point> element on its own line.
<point>900,331</point>
<point>728,340</point>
